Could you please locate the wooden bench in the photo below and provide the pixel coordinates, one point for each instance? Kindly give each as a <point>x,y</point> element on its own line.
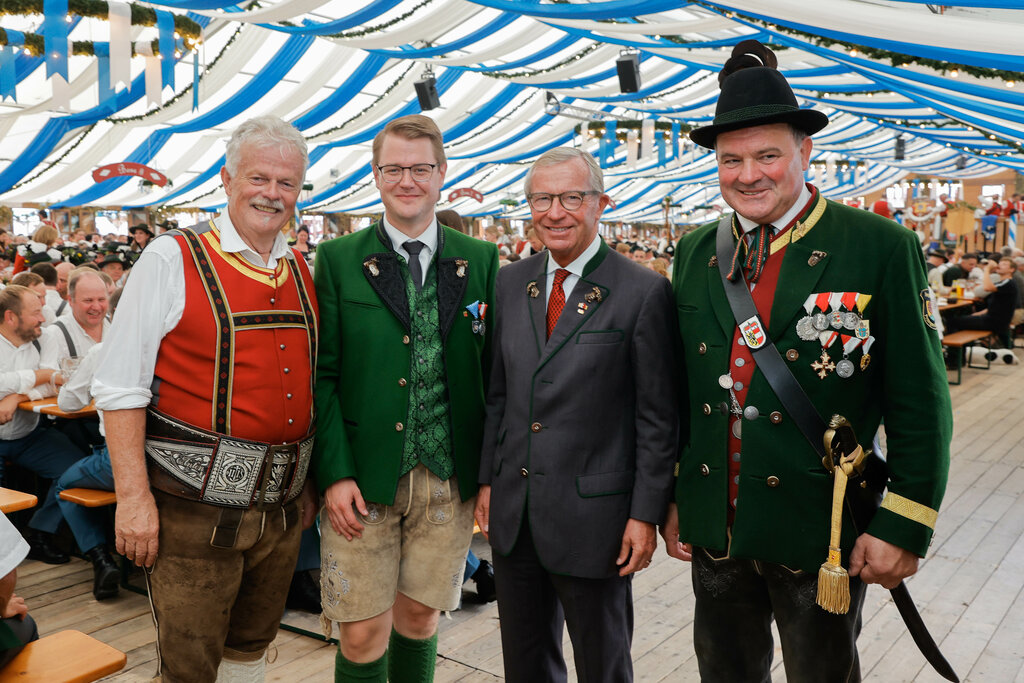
<point>958,341</point>
<point>12,501</point>
<point>64,657</point>
<point>90,498</point>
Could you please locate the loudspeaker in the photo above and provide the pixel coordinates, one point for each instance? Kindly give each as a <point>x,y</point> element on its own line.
<point>961,162</point>
<point>426,93</point>
<point>901,146</point>
<point>628,67</point>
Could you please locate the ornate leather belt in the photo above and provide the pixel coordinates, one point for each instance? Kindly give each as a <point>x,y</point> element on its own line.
<point>223,470</point>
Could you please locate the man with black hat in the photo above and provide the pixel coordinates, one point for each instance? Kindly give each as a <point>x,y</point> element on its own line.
<point>842,294</point>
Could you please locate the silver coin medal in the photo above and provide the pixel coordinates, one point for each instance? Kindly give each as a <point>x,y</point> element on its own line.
<point>805,328</point>
<point>835,316</point>
<point>725,381</point>
<point>820,317</point>
<point>849,317</point>
<point>845,367</point>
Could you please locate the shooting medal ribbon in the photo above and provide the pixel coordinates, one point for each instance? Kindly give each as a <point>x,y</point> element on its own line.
<point>850,318</point>
<point>478,310</point>
<point>865,360</point>
<point>835,318</point>
<point>820,318</point>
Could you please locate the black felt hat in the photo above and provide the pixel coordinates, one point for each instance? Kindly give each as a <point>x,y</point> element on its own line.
<point>141,227</point>
<point>755,93</point>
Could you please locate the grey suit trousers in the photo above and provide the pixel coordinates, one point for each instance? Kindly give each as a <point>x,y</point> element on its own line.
<point>533,605</point>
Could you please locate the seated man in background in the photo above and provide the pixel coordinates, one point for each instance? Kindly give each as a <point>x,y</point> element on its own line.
<point>48,272</point>
<point>71,336</point>
<point>35,283</point>
<point>1000,302</point>
<point>17,628</point>
<point>23,440</point>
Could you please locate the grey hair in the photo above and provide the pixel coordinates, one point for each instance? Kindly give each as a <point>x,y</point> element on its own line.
<point>560,155</point>
<point>264,131</point>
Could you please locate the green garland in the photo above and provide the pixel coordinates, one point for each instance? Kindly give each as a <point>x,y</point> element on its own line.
<point>565,62</point>
<point>352,118</point>
<point>34,43</point>
<point>187,89</point>
<point>57,160</point>
<point>367,30</point>
<point>659,126</point>
<point>188,29</point>
<point>897,59</point>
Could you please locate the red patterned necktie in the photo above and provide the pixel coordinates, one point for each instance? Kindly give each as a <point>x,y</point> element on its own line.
<point>557,300</point>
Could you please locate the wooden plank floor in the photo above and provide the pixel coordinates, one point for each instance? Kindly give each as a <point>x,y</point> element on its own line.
<point>969,589</point>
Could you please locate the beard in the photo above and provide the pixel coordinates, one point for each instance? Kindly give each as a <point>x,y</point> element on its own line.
<point>27,333</point>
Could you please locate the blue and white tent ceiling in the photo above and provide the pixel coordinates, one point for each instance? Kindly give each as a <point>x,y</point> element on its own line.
<point>340,69</point>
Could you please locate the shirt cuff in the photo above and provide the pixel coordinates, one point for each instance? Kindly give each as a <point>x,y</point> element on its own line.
<point>119,398</point>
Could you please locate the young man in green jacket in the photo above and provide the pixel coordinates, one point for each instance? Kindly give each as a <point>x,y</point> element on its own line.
<point>400,408</point>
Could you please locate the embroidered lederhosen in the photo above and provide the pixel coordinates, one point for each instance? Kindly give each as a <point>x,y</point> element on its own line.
<point>216,466</point>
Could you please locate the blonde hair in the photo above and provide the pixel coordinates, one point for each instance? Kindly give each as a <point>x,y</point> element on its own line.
<point>412,127</point>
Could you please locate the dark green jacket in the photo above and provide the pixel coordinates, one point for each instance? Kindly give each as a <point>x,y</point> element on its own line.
<point>362,394</point>
<point>784,491</point>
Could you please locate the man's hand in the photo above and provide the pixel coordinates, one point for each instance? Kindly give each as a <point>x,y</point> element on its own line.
<point>8,406</point>
<point>309,502</point>
<point>342,499</point>
<point>881,562</point>
<point>15,607</point>
<point>639,542</point>
<point>670,532</point>
<point>482,512</point>
<point>137,527</point>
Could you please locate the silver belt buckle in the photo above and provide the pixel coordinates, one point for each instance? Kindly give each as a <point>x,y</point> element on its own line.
<point>276,466</point>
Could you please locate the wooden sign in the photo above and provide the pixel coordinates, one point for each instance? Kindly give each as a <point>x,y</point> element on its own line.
<point>465,192</point>
<point>129,168</point>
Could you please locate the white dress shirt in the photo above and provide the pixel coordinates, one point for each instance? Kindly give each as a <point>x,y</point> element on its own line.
<point>55,345</point>
<point>151,305</point>
<point>13,548</point>
<point>18,365</point>
<point>428,237</point>
<point>575,270</point>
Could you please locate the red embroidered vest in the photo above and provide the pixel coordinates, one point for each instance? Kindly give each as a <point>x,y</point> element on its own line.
<point>241,359</point>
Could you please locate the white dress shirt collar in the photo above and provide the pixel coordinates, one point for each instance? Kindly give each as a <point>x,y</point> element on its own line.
<point>577,266</point>
<point>746,225</point>
<point>232,242</point>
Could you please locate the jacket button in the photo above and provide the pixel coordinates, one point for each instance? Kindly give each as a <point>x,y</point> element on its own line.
<point>702,348</point>
<point>772,481</point>
<point>524,472</point>
<point>792,354</point>
<point>536,427</point>
<point>405,339</point>
<point>399,426</point>
<point>705,470</point>
<point>706,408</point>
<point>402,382</point>
<point>775,416</point>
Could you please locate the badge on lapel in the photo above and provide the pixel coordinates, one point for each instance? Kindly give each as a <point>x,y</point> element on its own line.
<point>461,265</point>
<point>533,290</point>
<point>371,265</point>
<point>478,310</point>
<point>593,295</point>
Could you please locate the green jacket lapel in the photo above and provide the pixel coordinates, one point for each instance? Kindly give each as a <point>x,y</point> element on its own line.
<point>797,279</point>
<point>452,280</point>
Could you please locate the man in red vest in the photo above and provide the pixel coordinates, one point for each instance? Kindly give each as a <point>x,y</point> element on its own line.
<point>206,385</point>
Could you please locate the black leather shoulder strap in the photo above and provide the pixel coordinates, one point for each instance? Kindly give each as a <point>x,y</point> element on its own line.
<point>766,355</point>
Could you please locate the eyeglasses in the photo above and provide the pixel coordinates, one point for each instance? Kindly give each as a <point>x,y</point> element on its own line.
<point>570,201</point>
<point>419,172</point>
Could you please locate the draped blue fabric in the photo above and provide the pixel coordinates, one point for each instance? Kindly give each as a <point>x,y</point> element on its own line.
<point>557,46</point>
<point>610,9</point>
<point>275,69</point>
<point>371,11</point>
<point>486,31</point>
<point>944,54</point>
<point>357,80</point>
<point>105,93</point>
<point>47,139</point>
<point>8,59</point>
<point>483,113</point>
<point>652,89</point>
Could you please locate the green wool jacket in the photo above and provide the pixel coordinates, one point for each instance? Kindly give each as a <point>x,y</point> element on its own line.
<point>365,355</point>
<point>784,501</point>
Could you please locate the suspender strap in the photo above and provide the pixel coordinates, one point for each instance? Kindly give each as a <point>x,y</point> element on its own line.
<point>67,337</point>
<point>764,351</point>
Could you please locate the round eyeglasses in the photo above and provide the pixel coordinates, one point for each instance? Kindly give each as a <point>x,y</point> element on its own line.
<point>419,172</point>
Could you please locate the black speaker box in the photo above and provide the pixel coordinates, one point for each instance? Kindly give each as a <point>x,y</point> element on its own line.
<point>628,67</point>
<point>426,93</point>
<point>900,151</point>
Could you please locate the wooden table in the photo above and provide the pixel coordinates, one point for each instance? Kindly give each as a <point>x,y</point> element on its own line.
<point>12,501</point>
<point>48,406</point>
<point>960,303</point>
